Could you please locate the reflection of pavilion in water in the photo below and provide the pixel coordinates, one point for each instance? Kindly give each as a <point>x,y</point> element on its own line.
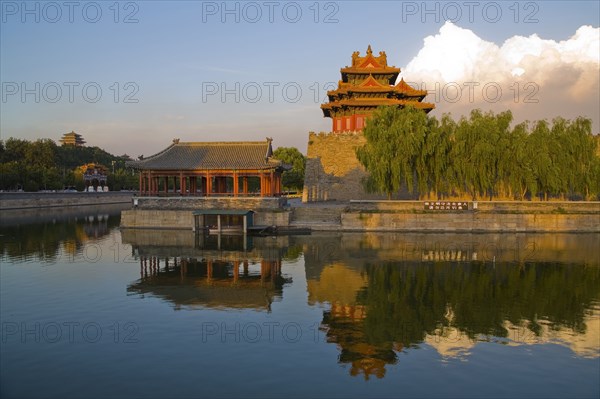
<point>192,271</point>
<point>385,294</point>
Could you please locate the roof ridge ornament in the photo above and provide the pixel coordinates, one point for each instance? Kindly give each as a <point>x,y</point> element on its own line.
<point>175,141</point>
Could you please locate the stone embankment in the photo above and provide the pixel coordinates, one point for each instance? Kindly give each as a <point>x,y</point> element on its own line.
<point>487,216</point>
<point>366,215</point>
<point>15,201</point>
<point>176,212</point>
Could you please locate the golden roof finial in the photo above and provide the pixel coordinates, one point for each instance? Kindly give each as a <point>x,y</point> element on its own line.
<point>369,51</point>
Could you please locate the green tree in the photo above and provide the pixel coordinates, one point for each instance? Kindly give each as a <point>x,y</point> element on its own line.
<point>293,179</point>
<point>544,163</point>
<point>42,165</point>
<point>392,154</point>
<point>519,176</point>
<point>578,152</point>
<point>436,157</point>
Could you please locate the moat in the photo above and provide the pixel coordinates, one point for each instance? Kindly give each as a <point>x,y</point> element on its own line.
<point>91,310</point>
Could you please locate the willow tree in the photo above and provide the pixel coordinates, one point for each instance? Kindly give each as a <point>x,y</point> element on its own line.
<point>545,164</point>
<point>395,139</point>
<point>578,151</point>
<point>435,159</point>
<point>519,175</point>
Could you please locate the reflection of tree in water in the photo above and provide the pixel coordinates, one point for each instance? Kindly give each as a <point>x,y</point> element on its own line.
<point>403,303</point>
<point>43,241</point>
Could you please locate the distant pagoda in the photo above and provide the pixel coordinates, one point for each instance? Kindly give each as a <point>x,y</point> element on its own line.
<point>365,85</point>
<point>72,139</point>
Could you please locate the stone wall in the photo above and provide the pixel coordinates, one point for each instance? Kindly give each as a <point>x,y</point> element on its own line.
<point>489,216</point>
<point>184,219</point>
<point>48,200</point>
<point>469,222</point>
<point>591,207</point>
<point>272,218</point>
<point>154,218</point>
<point>402,216</point>
<point>195,203</point>
<point>332,171</point>
<point>176,212</point>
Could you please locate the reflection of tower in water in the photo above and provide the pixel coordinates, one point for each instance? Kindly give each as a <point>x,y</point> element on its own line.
<point>344,325</point>
<point>339,286</point>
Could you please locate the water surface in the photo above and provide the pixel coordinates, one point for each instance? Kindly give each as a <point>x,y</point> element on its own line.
<point>91,311</point>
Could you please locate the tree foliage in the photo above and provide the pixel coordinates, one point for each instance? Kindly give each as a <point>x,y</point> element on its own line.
<point>293,179</point>
<point>43,165</point>
<point>408,300</point>
<point>481,156</point>
<point>394,146</point>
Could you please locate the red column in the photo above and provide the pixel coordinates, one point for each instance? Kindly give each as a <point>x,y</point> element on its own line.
<point>278,188</point>
<point>262,185</point>
<point>272,183</point>
<point>181,184</point>
<point>236,188</point>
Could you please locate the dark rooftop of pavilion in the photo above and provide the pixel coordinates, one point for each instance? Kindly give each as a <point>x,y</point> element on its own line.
<point>238,155</point>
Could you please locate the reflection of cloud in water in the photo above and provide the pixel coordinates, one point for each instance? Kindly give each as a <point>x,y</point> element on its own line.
<point>454,343</point>
<point>449,341</point>
<point>584,344</point>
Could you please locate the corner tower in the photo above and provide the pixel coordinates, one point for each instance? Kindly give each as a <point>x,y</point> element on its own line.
<point>368,83</point>
<point>332,170</point>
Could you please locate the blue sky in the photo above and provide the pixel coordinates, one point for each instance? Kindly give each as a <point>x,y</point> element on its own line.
<point>138,74</point>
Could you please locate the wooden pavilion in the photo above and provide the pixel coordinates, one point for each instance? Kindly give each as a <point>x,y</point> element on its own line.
<point>211,169</point>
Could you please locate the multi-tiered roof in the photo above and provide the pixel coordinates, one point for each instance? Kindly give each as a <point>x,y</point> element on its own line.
<point>72,139</point>
<point>365,85</point>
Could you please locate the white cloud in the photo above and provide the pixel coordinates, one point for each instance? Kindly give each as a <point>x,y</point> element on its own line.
<point>538,78</point>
